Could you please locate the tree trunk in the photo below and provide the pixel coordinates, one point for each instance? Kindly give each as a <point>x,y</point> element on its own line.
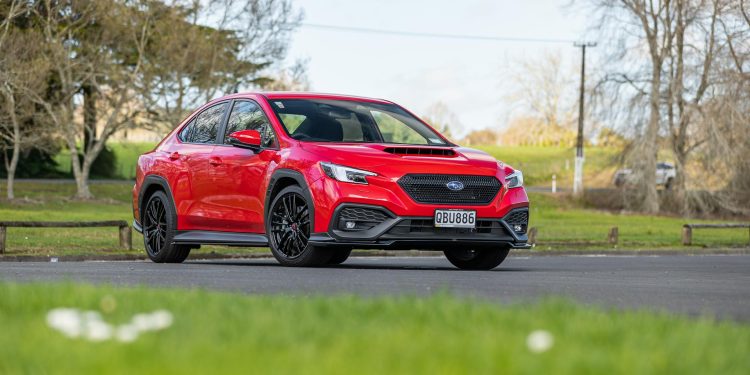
<point>11,169</point>
<point>79,173</point>
<point>650,145</point>
<point>82,180</point>
<point>680,182</point>
<point>89,117</point>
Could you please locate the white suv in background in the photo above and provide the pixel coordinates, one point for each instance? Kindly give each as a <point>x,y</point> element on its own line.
<point>665,175</point>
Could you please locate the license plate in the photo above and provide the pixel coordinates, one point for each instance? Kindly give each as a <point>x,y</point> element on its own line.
<point>455,218</point>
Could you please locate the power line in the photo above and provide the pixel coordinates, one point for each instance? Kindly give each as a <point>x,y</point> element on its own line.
<point>433,35</point>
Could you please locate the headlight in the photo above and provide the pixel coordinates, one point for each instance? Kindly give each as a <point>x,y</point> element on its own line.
<point>514,179</point>
<point>346,174</point>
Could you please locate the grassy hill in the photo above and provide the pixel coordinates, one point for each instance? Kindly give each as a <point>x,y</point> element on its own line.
<point>540,163</point>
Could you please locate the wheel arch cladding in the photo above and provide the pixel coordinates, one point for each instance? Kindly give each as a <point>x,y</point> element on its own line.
<point>152,184</point>
<point>282,178</point>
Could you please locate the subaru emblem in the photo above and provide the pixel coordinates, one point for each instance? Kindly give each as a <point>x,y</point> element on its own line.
<point>455,185</point>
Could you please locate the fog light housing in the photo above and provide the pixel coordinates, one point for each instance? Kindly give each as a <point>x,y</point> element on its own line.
<point>350,225</point>
<point>518,228</point>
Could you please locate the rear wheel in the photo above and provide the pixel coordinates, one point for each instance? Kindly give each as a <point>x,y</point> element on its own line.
<point>339,256</point>
<point>159,227</point>
<point>289,224</point>
<point>484,259</point>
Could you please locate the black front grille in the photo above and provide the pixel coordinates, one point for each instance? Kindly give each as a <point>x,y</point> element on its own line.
<point>433,188</point>
<point>364,218</point>
<point>519,217</point>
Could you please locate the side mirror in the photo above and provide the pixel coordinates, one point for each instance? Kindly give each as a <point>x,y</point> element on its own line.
<point>249,139</point>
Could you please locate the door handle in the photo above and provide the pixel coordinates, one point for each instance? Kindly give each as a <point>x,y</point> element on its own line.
<point>214,161</point>
<point>174,156</point>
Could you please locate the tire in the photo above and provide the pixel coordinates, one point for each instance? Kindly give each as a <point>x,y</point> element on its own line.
<point>339,256</point>
<point>668,184</point>
<point>288,225</point>
<point>485,259</point>
<point>159,228</point>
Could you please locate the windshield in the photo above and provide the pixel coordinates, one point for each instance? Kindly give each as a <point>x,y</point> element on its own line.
<point>322,120</point>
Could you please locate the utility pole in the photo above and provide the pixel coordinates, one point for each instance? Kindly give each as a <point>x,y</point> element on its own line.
<point>578,172</point>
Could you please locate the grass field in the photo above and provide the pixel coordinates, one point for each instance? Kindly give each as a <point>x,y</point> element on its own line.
<point>562,223</point>
<point>540,163</point>
<point>216,332</point>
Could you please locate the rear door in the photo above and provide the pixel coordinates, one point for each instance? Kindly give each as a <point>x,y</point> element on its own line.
<point>238,174</point>
<point>194,188</point>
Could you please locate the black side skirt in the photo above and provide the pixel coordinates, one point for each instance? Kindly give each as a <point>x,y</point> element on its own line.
<point>204,237</point>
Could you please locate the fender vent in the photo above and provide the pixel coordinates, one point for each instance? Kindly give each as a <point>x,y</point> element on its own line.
<point>420,151</point>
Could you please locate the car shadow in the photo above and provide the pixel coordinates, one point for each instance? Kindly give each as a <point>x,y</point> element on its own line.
<point>405,266</point>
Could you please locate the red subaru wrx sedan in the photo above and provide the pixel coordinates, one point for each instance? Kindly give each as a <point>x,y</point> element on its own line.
<point>313,176</point>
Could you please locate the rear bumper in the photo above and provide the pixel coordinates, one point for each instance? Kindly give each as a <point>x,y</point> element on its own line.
<point>418,233</point>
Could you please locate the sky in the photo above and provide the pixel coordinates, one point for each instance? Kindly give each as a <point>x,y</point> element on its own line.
<point>472,77</point>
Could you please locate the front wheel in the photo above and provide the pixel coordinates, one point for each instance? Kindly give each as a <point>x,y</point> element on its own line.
<point>288,225</point>
<point>471,259</point>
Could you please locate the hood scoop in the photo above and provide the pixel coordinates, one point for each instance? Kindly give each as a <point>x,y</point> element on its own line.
<point>420,151</point>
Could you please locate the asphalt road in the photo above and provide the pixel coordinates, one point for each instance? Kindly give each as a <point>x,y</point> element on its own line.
<point>717,285</point>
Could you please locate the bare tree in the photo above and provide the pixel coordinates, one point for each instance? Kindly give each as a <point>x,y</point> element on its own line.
<point>543,102</point>
<point>693,86</point>
<point>544,89</point>
<point>21,70</point>
<point>648,25</point>
<point>291,78</point>
<point>443,119</point>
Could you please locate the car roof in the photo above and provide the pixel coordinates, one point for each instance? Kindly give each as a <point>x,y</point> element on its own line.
<point>311,95</point>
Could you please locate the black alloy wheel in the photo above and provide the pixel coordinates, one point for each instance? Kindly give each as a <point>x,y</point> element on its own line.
<point>155,227</point>
<point>159,227</point>
<point>289,224</point>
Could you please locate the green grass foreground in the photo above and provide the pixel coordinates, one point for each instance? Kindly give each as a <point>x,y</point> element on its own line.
<point>563,224</point>
<point>217,332</point>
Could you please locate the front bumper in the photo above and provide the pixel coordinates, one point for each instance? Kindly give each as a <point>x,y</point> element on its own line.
<point>406,232</point>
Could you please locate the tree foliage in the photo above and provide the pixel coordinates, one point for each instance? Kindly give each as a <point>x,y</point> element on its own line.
<point>120,64</point>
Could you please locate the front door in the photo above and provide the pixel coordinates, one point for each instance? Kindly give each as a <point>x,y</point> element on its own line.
<point>239,175</point>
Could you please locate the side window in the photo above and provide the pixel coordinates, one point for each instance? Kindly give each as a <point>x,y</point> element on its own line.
<point>205,127</point>
<point>247,115</point>
<point>187,132</point>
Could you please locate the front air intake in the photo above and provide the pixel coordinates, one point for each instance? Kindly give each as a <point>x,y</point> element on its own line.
<point>420,151</point>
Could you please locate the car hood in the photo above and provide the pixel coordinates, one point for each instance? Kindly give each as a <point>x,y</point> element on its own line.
<point>397,160</point>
